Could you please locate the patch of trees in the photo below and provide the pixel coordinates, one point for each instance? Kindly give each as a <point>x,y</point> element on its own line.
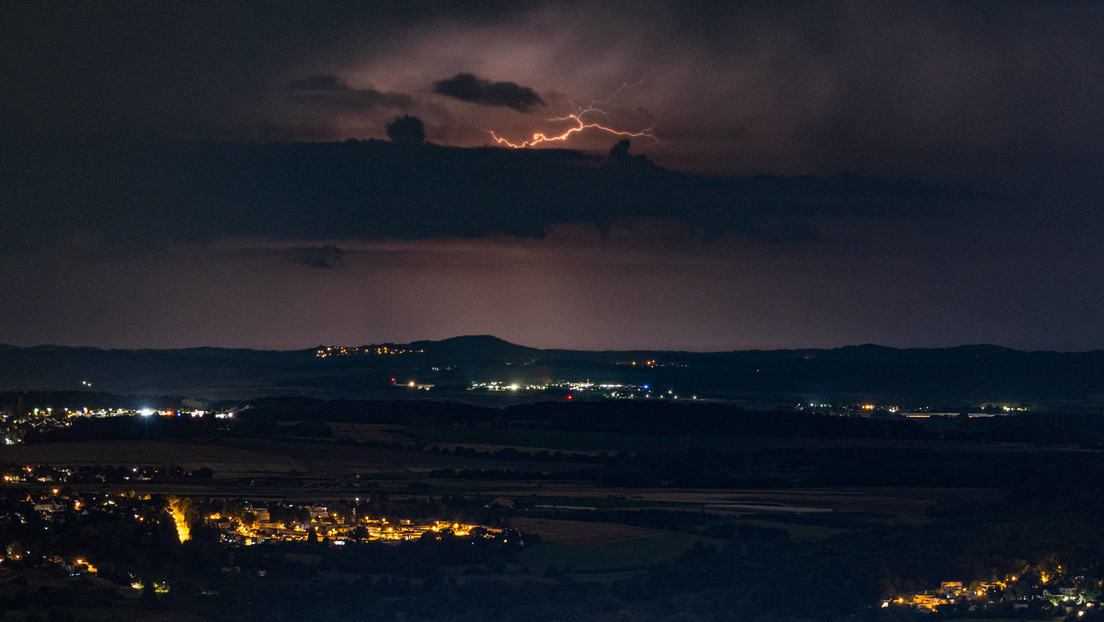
<point>132,428</point>
<point>662,418</point>
<point>667,418</point>
<point>639,417</point>
<point>356,411</point>
<point>656,418</point>
<point>1083,430</point>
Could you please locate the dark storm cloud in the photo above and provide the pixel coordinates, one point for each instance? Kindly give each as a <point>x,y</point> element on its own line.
<point>126,191</point>
<point>324,257</point>
<point>91,69</point>
<point>948,87</point>
<point>468,88</point>
<point>329,90</point>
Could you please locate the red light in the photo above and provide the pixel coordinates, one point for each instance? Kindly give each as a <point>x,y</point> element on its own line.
<point>392,380</point>
<point>570,397</point>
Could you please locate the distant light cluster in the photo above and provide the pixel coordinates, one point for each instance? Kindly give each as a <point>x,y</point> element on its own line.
<point>412,384</point>
<point>912,412</point>
<point>257,526</point>
<point>16,425</point>
<point>328,351</point>
<point>650,363</point>
<point>1050,584</point>
<point>583,388</point>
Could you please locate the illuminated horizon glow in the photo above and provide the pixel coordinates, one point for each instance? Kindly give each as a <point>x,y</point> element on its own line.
<point>580,126</point>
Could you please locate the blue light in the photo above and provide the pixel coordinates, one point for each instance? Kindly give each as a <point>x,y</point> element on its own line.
<point>647,386</point>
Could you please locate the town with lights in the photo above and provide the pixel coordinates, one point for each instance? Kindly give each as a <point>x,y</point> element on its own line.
<point>381,350</point>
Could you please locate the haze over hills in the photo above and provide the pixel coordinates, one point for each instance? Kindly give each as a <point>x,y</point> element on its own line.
<point>963,374</point>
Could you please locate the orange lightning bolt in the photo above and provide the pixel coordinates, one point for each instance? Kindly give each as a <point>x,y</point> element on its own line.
<point>580,125</point>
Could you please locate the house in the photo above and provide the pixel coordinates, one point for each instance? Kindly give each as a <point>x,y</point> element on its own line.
<point>952,588</point>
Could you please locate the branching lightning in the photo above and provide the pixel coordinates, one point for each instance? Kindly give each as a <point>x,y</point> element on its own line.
<point>579,125</point>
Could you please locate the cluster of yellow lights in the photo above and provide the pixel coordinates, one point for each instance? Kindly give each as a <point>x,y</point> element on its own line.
<point>377,350</point>
<point>951,589</point>
<point>380,530</point>
<point>85,565</point>
<point>183,531</point>
<point>650,363</point>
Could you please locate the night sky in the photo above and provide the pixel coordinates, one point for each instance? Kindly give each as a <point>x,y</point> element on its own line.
<point>811,175</point>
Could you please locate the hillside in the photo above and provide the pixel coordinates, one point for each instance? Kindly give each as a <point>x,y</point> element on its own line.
<point>869,372</point>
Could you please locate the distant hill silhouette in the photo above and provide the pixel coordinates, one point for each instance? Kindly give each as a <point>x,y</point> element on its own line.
<point>939,375</point>
<point>476,347</point>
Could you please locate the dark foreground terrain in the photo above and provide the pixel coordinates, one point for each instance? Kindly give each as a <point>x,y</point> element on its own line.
<point>562,511</point>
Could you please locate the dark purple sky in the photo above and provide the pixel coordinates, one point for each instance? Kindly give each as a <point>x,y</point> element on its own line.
<point>997,101</point>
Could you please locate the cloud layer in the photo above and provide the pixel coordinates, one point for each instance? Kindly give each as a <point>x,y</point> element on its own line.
<point>941,88</point>
<point>467,87</point>
<point>128,191</point>
<point>330,91</point>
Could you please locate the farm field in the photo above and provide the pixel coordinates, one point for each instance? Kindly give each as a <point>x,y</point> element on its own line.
<point>582,547</point>
<point>220,457</point>
<point>581,441</point>
<point>248,456</point>
<point>494,438</point>
<point>581,534</point>
<point>900,501</point>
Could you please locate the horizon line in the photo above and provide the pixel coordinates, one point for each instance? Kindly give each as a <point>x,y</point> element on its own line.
<point>5,345</point>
